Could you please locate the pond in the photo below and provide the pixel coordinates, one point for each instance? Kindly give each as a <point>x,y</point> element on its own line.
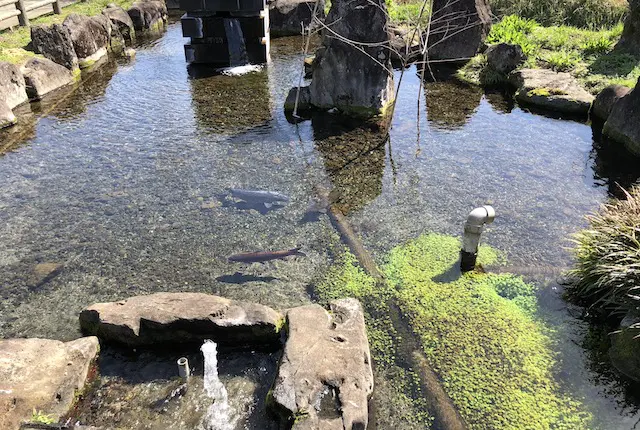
<point>125,183</point>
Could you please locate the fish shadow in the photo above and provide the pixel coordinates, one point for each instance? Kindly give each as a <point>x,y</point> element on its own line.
<point>242,205</point>
<point>241,278</point>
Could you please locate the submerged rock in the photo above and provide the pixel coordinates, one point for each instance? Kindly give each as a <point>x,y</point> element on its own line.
<point>12,87</point>
<point>287,17</point>
<point>504,57</point>
<point>181,317</point>
<point>630,39</point>
<point>325,377</point>
<point>90,38</point>
<point>458,29</point>
<point>42,375</point>
<point>606,99</point>
<point>148,14</point>
<point>551,90</point>
<point>622,124</point>
<point>55,43</point>
<point>358,81</point>
<point>122,21</point>
<point>7,118</point>
<point>42,76</point>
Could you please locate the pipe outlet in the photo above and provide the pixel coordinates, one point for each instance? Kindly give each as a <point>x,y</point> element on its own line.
<point>477,219</point>
<point>183,368</point>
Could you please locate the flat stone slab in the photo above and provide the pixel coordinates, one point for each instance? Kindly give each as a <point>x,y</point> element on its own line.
<point>181,318</point>
<point>325,377</point>
<point>42,375</point>
<point>546,89</point>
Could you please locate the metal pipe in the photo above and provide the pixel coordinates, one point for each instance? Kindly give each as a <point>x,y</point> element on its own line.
<point>473,228</point>
<point>183,368</point>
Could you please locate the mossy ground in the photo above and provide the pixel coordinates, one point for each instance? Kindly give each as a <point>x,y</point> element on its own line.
<point>14,44</point>
<point>589,55</point>
<point>479,332</point>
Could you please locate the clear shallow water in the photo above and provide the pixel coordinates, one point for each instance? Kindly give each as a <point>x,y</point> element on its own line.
<point>123,183</point>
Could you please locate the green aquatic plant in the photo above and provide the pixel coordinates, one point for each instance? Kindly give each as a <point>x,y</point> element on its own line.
<point>41,418</point>
<point>546,92</point>
<point>606,276</point>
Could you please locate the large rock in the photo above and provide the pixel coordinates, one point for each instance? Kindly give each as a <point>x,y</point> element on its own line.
<point>42,76</point>
<point>623,124</point>
<point>630,39</point>
<point>181,317</point>
<point>12,87</point>
<point>41,375</point>
<point>148,14</point>
<point>286,17</point>
<point>546,89</point>
<point>90,38</point>
<point>504,57</point>
<point>121,20</point>
<point>458,29</point>
<point>7,118</point>
<point>355,82</point>
<point>325,377</point>
<point>55,43</point>
<point>606,99</point>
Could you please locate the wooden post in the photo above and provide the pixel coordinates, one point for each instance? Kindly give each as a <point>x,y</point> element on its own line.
<point>22,18</point>
<point>57,9</point>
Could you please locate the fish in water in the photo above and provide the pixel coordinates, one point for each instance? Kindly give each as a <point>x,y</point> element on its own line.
<point>267,198</point>
<point>262,256</point>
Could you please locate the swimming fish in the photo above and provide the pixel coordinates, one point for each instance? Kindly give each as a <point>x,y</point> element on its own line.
<point>267,198</point>
<point>262,256</point>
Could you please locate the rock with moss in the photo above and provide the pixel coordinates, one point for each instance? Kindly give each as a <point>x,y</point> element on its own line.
<point>325,378</point>
<point>168,318</point>
<point>12,86</point>
<point>148,15</point>
<point>554,91</point>
<point>289,17</point>
<point>7,118</point>
<point>622,124</point>
<point>55,43</point>
<point>505,57</point>
<point>41,377</point>
<point>90,38</point>
<point>122,21</point>
<point>606,99</point>
<point>42,76</point>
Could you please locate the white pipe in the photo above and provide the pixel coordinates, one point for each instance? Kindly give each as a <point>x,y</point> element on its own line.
<point>473,228</point>
<point>183,368</point>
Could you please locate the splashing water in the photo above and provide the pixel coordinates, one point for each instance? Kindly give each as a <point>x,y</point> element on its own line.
<point>235,40</point>
<point>218,416</point>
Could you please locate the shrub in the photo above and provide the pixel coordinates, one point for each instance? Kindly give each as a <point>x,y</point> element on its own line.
<point>513,29</point>
<point>562,61</point>
<point>606,276</point>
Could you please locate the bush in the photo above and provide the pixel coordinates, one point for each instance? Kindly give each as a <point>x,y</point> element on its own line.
<point>561,61</point>
<point>515,30</point>
<point>606,276</point>
<point>593,14</point>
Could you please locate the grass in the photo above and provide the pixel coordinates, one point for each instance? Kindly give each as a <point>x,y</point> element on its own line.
<point>589,55</point>
<point>606,277</point>
<point>42,418</point>
<point>479,332</point>
<point>14,44</point>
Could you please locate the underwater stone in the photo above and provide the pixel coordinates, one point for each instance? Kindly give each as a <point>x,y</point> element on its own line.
<point>623,125</point>
<point>325,356</point>
<point>42,76</point>
<point>165,318</point>
<point>12,86</point>
<point>546,89</point>
<point>42,375</point>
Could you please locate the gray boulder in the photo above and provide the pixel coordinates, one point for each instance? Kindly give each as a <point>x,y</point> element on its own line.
<point>546,89</point>
<point>630,40</point>
<point>55,43</point>
<point>148,15</point>
<point>623,125</point>
<point>122,21</point>
<point>604,102</point>
<point>356,81</point>
<point>304,99</point>
<point>7,118</point>
<point>325,377</point>
<point>458,29</point>
<point>42,76</point>
<point>12,87</point>
<point>286,17</point>
<point>504,57</point>
<point>42,375</point>
<point>90,38</point>
<point>181,317</point>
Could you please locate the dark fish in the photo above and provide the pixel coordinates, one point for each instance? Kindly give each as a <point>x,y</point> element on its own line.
<point>241,278</point>
<point>262,256</point>
<point>267,198</point>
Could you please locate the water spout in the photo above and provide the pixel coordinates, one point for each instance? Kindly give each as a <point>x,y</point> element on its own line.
<point>218,416</point>
<point>472,232</point>
<point>183,368</point>
<point>235,41</point>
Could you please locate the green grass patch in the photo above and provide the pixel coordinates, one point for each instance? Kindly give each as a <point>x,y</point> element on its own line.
<point>14,44</point>
<point>479,332</point>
